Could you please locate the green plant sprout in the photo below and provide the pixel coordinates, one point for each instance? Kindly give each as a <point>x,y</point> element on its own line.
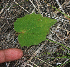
<point>0,7</point>
<point>32,29</point>
<point>8,6</point>
<point>59,44</point>
<point>59,11</point>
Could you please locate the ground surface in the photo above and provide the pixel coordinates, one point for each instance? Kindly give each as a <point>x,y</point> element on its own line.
<point>47,53</point>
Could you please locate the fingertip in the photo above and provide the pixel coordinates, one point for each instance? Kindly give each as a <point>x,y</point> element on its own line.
<point>10,54</point>
<point>13,54</point>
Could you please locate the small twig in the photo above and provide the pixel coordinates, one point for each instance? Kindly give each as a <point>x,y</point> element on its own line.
<point>7,64</point>
<point>1,11</point>
<point>34,6</point>
<point>60,6</point>
<point>30,65</point>
<point>3,25</point>
<point>21,7</point>
<point>65,62</point>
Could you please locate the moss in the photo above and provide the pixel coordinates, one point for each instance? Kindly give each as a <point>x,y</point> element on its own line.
<point>33,28</point>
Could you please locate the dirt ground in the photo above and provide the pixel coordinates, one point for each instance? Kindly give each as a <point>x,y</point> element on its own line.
<point>46,53</point>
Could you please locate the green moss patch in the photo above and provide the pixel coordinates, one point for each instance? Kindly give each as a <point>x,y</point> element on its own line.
<point>33,29</point>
